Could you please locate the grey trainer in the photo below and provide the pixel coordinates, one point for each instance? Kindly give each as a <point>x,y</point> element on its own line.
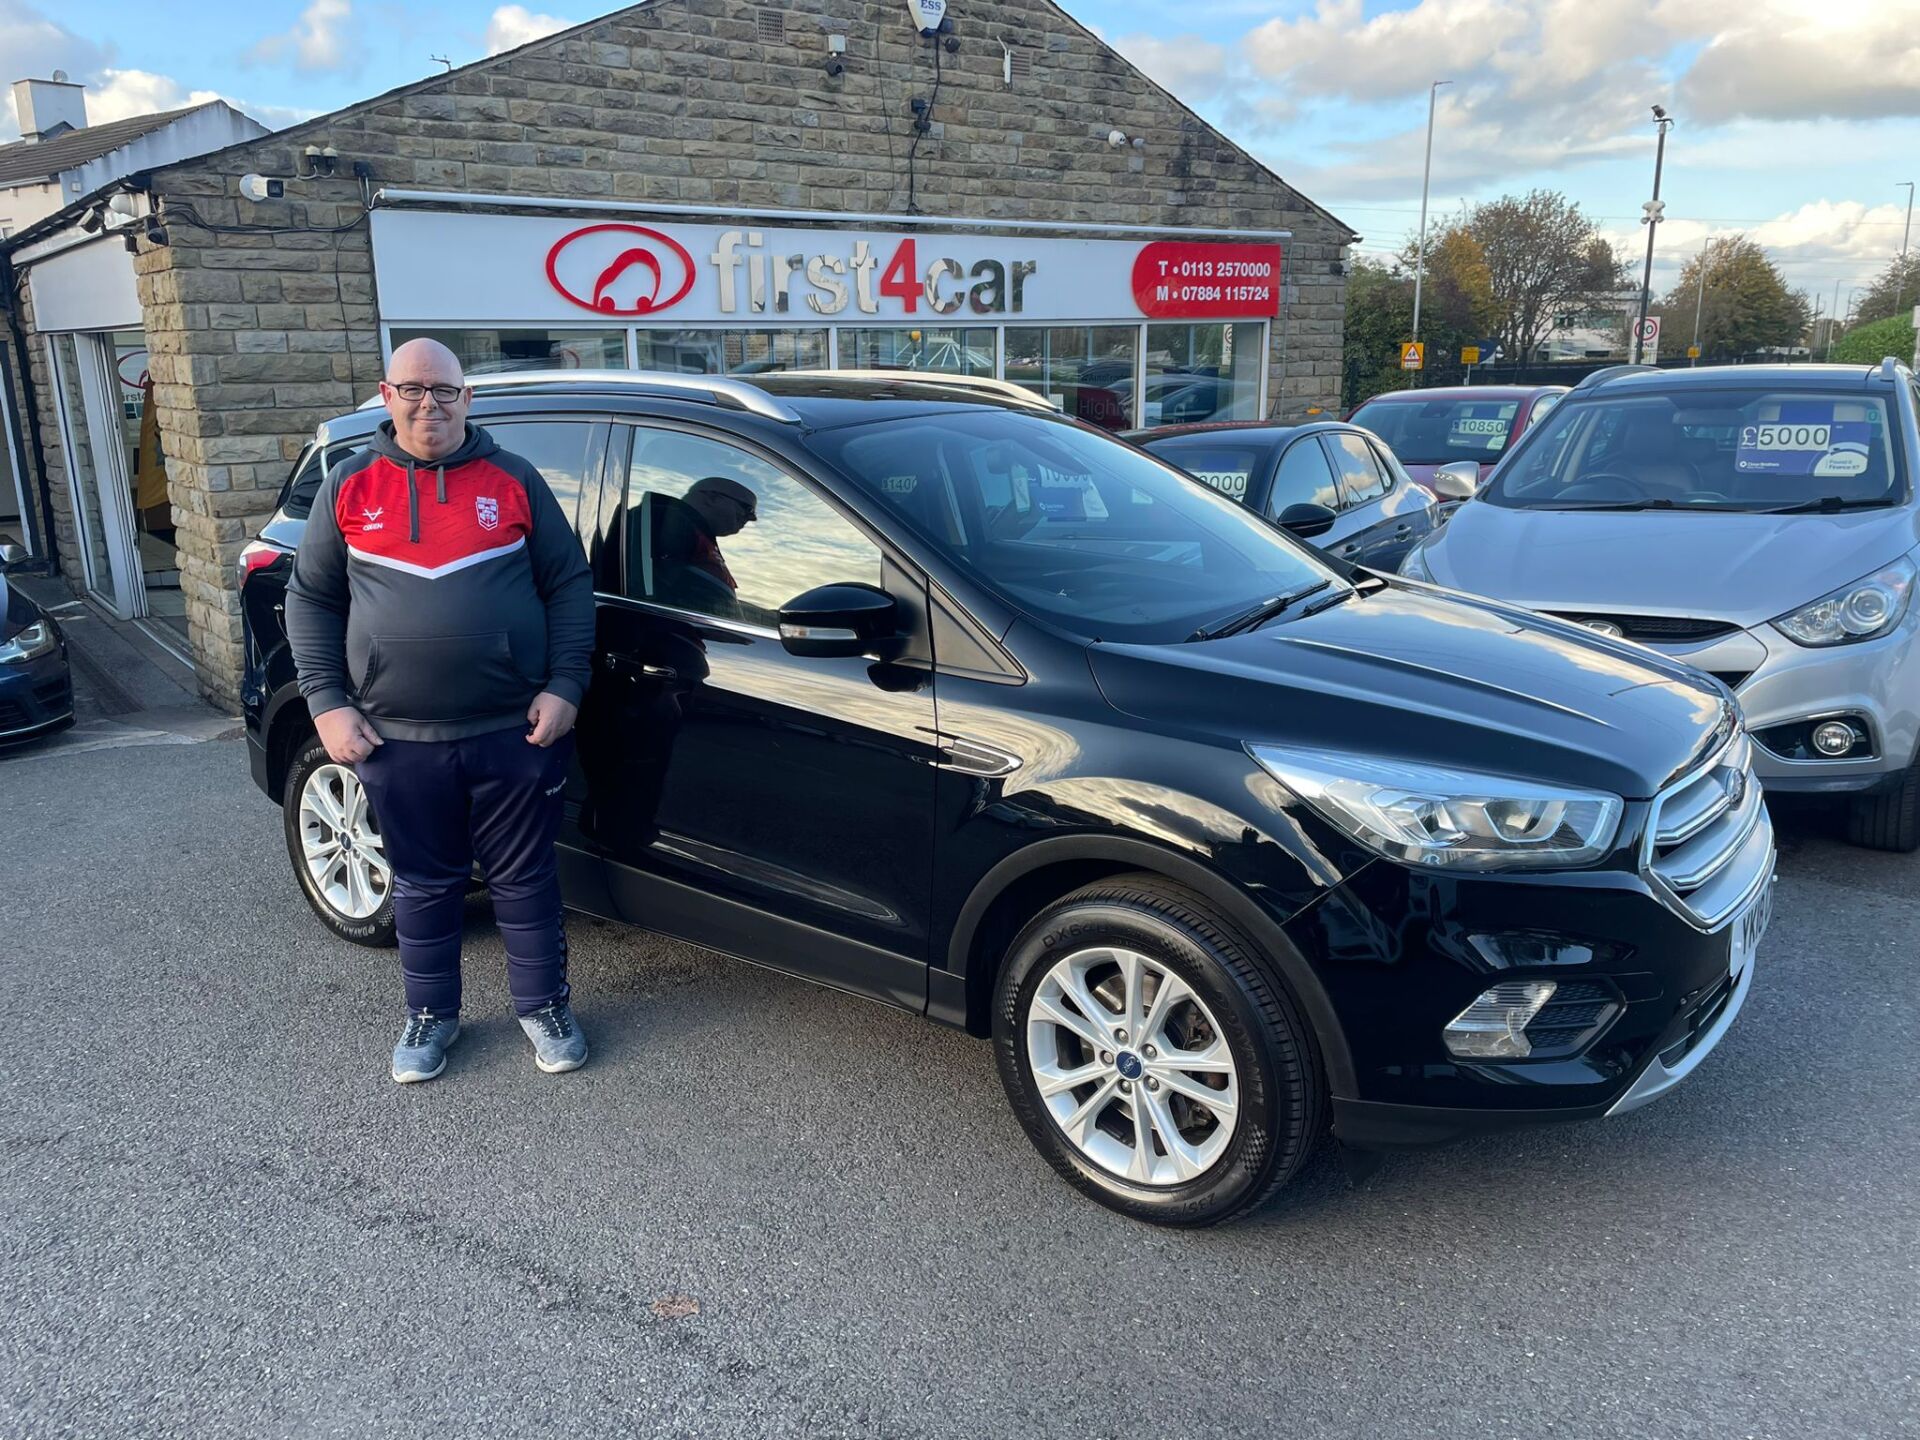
<point>422,1051</point>
<point>557,1042</point>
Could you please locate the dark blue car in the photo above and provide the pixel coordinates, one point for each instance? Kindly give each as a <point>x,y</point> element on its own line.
<point>1327,481</point>
<point>36,688</point>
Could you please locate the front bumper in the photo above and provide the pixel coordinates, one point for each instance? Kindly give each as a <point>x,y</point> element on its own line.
<point>1780,683</point>
<point>36,698</point>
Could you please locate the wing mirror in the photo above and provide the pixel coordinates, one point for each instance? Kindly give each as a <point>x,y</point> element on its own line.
<point>837,622</point>
<point>10,556</point>
<point>1456,480</point>
<point>1307,520</point>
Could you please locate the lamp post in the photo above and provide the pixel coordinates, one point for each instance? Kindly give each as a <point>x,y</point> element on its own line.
<point>1833,320</point>
<point>1652,221</point>
<point>1426,176</point>
<point>1700,303</point>
<point>1900,273</point>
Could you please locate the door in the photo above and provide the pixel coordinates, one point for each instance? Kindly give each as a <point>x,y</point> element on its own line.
<point>771,807</point>
<point>97,470</point>
<point>1372,530</point>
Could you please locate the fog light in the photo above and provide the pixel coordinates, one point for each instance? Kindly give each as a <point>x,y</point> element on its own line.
<point>1834,737</point>
<point>1494,1026</point>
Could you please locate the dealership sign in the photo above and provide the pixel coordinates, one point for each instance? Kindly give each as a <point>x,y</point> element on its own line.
<point>499,269</point>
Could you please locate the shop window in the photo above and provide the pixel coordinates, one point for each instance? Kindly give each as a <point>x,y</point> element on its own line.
<point>712,529</point>
<point>1203,372</point>
<point>731,352</point>
<point>967,351</point>
<point>1087,370</point>
<point>492,352</point>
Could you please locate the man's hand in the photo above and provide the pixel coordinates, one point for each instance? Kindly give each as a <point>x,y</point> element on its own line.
<point>549,718</point>
<point>347,735</point>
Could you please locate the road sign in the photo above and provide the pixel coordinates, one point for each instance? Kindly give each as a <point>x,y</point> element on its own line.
<point>1693,352</point>
<point>1413,355</point>
<point>1647,332</point>
<point>1469,354</point>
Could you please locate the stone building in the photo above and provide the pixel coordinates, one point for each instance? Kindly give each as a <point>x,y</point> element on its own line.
<point>709,185</point>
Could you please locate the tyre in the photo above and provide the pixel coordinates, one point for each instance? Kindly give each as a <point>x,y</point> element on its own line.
<point>1151,1058</point>
<point>333,841</point>
<point>1890,819</point>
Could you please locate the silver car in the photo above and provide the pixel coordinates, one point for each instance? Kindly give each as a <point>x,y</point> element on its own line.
<point>1758,522</point>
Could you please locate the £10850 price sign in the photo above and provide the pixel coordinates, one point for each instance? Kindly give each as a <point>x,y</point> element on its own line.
<point>1182,280</point>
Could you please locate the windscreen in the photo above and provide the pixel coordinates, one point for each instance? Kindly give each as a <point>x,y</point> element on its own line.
<point>1434,432</point>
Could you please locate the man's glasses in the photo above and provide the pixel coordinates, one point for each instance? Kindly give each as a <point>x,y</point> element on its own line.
<point>413,392</point>
<point>752,512</point>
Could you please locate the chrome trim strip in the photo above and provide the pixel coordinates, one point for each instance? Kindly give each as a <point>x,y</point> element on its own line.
<point>716,388</point>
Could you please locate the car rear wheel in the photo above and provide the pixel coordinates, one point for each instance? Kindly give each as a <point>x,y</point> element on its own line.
<point>334,843</point>
<point>1889,820</point>
<point>1151,1058</point>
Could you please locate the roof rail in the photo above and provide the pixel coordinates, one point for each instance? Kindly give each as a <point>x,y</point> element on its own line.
<point>982,384</point>
<point>717,389</point>
<point>1890,368</point>
<point>1609,372</point>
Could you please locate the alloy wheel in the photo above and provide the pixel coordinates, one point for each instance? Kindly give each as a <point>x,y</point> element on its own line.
<point>1132,1066</point>
<point>341,845</point>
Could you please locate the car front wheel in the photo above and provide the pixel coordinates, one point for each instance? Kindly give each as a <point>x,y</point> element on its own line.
<point>1152,1060</point>
<point>333,840</point>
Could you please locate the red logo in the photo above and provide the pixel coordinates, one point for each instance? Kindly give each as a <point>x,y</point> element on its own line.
<point>620,269</point>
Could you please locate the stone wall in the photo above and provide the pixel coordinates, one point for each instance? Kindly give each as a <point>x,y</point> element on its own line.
<point>34,368</point>
<point>261,318</point>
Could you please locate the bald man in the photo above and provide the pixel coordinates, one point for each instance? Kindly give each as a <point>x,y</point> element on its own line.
<point>441,620</point>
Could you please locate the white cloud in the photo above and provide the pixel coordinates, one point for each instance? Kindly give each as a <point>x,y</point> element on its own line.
<point>323,38</point>
<point>120,94</point>
<point>1789,62</point>
<point>512,26</point>
<point>1187,65</point>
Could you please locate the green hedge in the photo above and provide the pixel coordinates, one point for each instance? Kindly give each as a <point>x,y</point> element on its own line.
<point>1869,344</point>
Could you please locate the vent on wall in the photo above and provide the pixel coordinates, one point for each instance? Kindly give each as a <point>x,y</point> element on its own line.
<point>773,26</point>
<point>1019,64</point>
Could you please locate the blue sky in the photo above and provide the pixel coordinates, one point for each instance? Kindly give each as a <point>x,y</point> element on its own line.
<point>1797,118</point>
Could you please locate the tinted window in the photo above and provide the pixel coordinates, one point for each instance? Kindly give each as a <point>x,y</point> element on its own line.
<point>1432,432</point>
<point>556,448</point>
<point>1361,478</point>
<point>1733,448</point>
<point>308,472</point>
<point>1542,408</point>
<point>714,529</point>
<point>1304,478</point>
<point>1226,467</point>
<point>1070,526</point>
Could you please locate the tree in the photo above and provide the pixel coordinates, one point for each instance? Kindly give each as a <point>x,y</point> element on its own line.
<point>1747,305</point>
<point>1870,344</point>
<point>1540,256</point>
<point>1379,317</point>
<point>1895,291</point>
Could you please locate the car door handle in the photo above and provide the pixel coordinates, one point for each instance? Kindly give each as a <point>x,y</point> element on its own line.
<point>621,665</point>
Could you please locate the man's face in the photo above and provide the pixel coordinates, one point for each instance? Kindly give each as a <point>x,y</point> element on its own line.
<point>430,426</point>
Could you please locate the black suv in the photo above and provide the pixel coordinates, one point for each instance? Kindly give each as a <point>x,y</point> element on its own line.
<point>992,716</point>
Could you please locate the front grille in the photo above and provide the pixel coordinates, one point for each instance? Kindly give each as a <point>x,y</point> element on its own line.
<point>1709,843</point>
<point>1699,1020</point>
<point>12,716</point>
<point>1658,629</point>
<point>55,694</point>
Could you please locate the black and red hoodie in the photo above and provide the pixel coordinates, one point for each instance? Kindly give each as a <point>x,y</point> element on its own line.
<point>439,596</point>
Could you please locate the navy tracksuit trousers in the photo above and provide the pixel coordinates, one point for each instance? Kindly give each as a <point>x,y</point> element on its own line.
<point>442,805</point>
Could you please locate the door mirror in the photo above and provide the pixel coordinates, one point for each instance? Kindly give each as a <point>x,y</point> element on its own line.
<point>1456,480</point>
<point>834,622</point>
<point>10,556</point>
<point>1307,520</point>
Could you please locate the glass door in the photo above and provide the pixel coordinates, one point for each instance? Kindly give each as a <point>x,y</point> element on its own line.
<point>97,471</point>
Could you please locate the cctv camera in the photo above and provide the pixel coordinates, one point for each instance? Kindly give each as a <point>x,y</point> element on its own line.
<point>1116,138</point>
<point>835,69</point>
<point>1659,112</point>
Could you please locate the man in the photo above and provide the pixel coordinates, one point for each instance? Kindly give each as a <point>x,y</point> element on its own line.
<point>441,619</point>
<point>689,530</point>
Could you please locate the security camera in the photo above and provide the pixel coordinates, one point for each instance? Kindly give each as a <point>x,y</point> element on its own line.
<point>262,187</point>
<point>93,220</point>
<point>1116,138</point>
<point>1659,112</point>
<point>835,67</point>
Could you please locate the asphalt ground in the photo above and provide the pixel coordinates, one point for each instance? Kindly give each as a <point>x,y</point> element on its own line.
<point>768,1209</point>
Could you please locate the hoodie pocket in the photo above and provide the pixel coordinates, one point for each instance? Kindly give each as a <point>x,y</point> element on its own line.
<point>443,677</point>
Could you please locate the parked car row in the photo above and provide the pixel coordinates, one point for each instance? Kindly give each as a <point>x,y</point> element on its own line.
<point>36,686</point>
<point>1217,835</point>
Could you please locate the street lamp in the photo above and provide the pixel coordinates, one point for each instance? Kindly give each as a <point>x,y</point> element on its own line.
<point>1426,175</point>
<point>1652,221</point>
<point>1900,275</point>
<point>1700,303</point>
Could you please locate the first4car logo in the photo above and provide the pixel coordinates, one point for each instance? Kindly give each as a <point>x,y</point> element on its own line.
<point>620,269</point>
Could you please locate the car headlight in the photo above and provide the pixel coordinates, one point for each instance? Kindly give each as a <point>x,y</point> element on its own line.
<point>28,644</point>
<point>1414,565</point>
<point>1460,819</point>
<point>1860,611</point>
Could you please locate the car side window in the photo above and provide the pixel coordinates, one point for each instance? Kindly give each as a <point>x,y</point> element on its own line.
<point>1542,408</point>
<point>558,449</point>
<point>711,528</point>
<point>1304,478</point>
<point>1389,465</point>
<point>1361,478</point>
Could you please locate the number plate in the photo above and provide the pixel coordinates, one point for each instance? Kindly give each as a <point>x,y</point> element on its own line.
<point>1747,928</point>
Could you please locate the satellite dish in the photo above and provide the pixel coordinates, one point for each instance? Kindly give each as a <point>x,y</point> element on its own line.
<point>60,77</point>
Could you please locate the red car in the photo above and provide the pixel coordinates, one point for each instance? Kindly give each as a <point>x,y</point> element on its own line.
<point>1446,425</point>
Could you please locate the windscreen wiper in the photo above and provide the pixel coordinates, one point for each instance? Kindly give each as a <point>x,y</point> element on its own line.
<point>1657,503</point>
<point>1826,505</point>
<point>1265,610</point>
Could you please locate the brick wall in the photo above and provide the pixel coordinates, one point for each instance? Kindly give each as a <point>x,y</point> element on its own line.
<point>256,335</point>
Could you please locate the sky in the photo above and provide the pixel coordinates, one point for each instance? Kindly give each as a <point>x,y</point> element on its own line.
<point>1797,120</point>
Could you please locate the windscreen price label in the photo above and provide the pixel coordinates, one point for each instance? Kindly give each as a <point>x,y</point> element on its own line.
<point>1178,279</point>
<point>1479,427</point>
<point>1786,437</point>
<point>1227,482</point>
<point>1807,437</point>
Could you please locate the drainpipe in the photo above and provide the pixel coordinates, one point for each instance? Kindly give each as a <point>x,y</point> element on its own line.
<point>50,541</point>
